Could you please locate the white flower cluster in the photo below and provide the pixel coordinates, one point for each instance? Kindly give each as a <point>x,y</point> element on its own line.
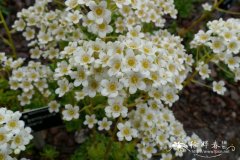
<point>156,64</point>
<point>30,78</point>
<point>223,41</point>
<point>9,63</point>
<point>148,11</point>
<point>155,127</point>
<point>115,60</point>
<point>133,12</point>
<point>46,29</point>
<point>13,135</point>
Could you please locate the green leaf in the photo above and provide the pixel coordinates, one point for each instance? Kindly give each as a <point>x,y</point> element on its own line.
<point>49,152</point>
<point>185,7</point>
<point>73,125</point>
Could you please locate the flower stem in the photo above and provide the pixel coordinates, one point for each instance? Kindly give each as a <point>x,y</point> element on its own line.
<point>10,40</point>
<point>202,84</point>
<point>201,18</point>
<point>227,12</point>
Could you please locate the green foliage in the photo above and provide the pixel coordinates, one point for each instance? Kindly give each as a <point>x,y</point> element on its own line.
<point>8,97</point>
<point>95,148</point>
<point>185,7</point>
<point>63,44</point>
<point>73,125</point>
<point>149,27</point>
<point>226,73</point>
<point>49,153</point>
<point>99,100</point>
<point>3,7</point>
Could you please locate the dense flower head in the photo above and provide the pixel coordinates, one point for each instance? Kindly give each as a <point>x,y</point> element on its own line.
<point>125,65</point>
<point>222,45</point>
<point>99,49</point>
<point>14,136</point>
<point>28,79</point>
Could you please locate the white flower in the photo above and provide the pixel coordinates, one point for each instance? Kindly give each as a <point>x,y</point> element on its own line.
<point>80,95</point>
<point>150,117</point>
<point>19,25</point>
<point>18,74</point>
<point>64,87</point>
<point>74,17</point>
<point>228,35</point>
<point>80,77</point>
<point>19,142</point>
<point>115,64</point>
<point>202,36</point>
<point>24,99</point>
<point>148,48</point>
<point>101,29</point>
<point>99,13</point>
<point>4,117</point>
<point>63,68</point>
<point>35,53</point>
<point>83,56</point>
<point>207,7</point>
<point>126,131</point>
<point>90,120</point>
<point>41,84</point>
<point>104,124</point>
<point>232,62</point>
<point>26,85</point>
<point>71,4</point>
<point>130,61</point>
<point>135,32</point>
<point>217,45</point>
<point>219,87</point>
<point>170,97</point>
<point>148,150</point>
<point>237,74</point>
<point>204,70</point>
<point>44,38</point>
<point>3,57</point>
<point>29,34</point>
<point>111,87</point>
<point>14,85</point>
<point>53,106</point>
<point>134,81</point>
<point>92,88</point>
<point>233,46</point>
<point>120,3</point>
<point>116,108</point>
<point>13,124</point>
<point>32,75</point>
<point>4,136</point>
<point>13,135</point>
<point>146,64</point>
<point>70,112</point>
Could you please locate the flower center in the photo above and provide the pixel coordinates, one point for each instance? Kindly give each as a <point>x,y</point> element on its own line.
<point>126,131</point>
<point>112,87</point>
<point>116,108</point>
<point>71,112</point>
<point>131,62</point>
<point>134,79</point>
<point>99,11</point>
<point>12,124</point>
<point>2,137</point>
<point>86,58</point>
<point>18,140</point>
